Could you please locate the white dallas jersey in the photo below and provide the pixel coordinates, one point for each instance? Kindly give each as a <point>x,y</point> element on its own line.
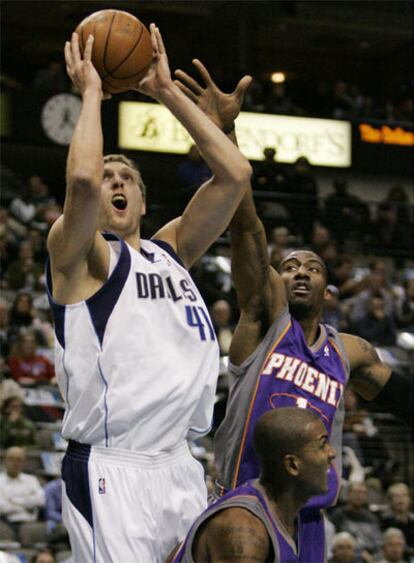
<point>137,363</point>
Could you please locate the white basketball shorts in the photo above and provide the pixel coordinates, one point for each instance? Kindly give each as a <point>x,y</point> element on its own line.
<point>129,507</point>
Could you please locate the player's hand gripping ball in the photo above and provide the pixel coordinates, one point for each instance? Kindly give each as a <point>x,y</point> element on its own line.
<point>122,48</point>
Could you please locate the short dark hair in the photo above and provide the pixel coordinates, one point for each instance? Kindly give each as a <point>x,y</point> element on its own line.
<point>280,432</point>
<point>131,164</point>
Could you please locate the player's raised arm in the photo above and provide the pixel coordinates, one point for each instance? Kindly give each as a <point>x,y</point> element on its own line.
<point>73,235</point>
<point>260,291</point>
<point>375,381</point>
<point>210,210</point>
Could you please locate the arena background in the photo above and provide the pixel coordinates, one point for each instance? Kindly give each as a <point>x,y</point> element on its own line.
<point>345,61</point>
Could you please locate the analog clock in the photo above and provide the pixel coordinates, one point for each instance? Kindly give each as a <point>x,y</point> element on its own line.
<point>59,116</point>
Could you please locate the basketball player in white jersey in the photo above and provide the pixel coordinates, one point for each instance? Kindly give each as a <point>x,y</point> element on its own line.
<point>136,355</point>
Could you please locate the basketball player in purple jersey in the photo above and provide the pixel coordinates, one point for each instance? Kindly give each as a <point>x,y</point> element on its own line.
<point>264,519</point>
<point>281,354</point>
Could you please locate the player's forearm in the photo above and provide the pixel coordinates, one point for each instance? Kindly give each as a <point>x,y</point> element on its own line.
<point>221,155</point>
<point>85,159</point>
<point>245,219</point>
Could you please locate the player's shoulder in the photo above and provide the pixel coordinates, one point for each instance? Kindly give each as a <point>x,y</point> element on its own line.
<point>236,528</point>
<point>358,350</point>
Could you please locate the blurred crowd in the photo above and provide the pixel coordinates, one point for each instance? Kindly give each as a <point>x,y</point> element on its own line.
<point>367,250</point>
<point>337,100</point>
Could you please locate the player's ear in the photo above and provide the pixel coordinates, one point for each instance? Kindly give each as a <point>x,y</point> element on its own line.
<point>291,465</point>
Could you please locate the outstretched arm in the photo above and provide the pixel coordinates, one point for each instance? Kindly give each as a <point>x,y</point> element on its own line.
<point>260,291</point>
<point>375,381</point>
<point>232,535</point>
<point>210,210</point>
<point>74,235</point>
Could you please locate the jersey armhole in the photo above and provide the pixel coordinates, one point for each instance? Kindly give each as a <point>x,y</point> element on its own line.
<point>237,370</point>
<point>168,248</point>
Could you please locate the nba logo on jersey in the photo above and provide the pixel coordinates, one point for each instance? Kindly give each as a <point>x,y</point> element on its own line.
<point>326,351</point>
<point>101,486</point>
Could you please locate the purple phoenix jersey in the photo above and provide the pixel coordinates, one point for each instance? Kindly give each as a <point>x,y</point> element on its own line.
<point>284,372</point>
<point>310,541</point>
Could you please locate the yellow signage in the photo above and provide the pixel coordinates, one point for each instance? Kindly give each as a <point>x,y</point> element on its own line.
<point>386,135</point>
<point>324,142</point>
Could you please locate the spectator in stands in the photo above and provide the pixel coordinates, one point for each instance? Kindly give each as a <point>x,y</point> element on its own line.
<point>221,316</point>
<point>391,237</point>
<point>6,257</point>
<point>321,236</point>
<point>51,79</point>
<point>405,308</point>
<point>8,387</point>
<point>32,205</point>
<point>356,519</point>
<point>16,428</point>
<point>21,312</point>
<point>278,101</point>
<point>39,195</point>
<point>253,99</point>
<point>55,527</point>
<point>329,255</point>
<point>270,176</point>
<point>28,367</point>
<point>212,274</point>
<point>38,240</point>
<point>376,325</point>
<point>346,215</point>
<point>43,556</point>
<point>5,334</point>
<point>21,494</point>
<point>53,493</point>
<point>376,283</point>
<point>342,277</point>
<point>192,172</point>
<point>303,201</point>
<point>332,312</point>
<point>399,514</point>
<point>362,435</point>
<point>343,101</point>
<point>12,230</point>
<point>24,273</point>
<point>393,546</point>
<point>281,239</point>
<point>343,548</point>
<point>403,104</point>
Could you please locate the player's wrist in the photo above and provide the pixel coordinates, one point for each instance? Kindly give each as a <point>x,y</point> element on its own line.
<point>168,92</point>
<point>92,92</point>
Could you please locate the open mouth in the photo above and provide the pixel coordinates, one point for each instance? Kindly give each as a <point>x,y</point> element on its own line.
<point>119,201</point>
<point>301,289</point>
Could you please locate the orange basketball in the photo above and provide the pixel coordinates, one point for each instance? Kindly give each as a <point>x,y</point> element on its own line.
<point>122,49</point>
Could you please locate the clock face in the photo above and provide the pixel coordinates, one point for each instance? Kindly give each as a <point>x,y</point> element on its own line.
<point>59,116</point>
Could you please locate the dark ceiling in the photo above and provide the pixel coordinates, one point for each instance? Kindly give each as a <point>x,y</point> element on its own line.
<point>369,42</point>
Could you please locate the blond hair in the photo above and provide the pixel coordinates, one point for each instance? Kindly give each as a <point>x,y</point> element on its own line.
<point>131,164</point>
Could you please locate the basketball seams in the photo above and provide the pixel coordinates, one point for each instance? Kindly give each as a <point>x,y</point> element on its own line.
<point>114,38</point>
<point>111,73</point>
<point>108,35</point>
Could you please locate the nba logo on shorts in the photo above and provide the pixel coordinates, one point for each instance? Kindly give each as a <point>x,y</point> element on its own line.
<point>101,486</point>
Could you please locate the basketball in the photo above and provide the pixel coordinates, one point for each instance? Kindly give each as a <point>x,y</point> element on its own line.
<point>122,49</point>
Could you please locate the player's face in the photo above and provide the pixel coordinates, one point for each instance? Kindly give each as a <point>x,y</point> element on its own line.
<point>122,204</point>
<point>316,458</point>
<point>304,276</point>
